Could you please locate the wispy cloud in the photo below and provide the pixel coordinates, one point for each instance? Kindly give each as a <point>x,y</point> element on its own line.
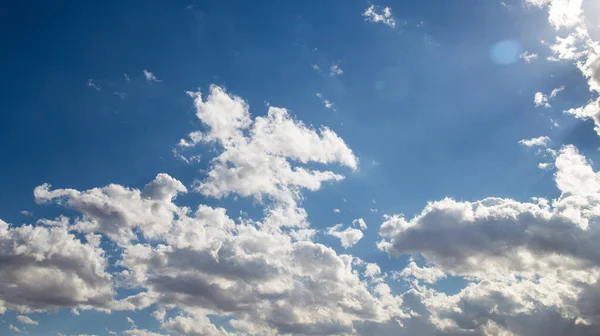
<point>93,84</point>
<point>150,77</point>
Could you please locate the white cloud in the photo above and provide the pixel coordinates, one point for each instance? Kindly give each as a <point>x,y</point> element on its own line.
<point>561,13</point>
<point>141,332</point>
<point>25,213</point>
<point>360,223</point>
<point>127,79</point>
<point>348,237</point>
<point>544,165</point>
<point>150,77</point>
<point>48,268</point>
<point>26,320</point>
<point>336,210</point>
<point>556,91</point>
<point>194,325</point>
<point>265,275</point>
<point>93,84</point>
<point>528,57</point>
<point>117,211</point>
<point>541,99</point>
<point>427,274</point>
<point>14,329</point>
<point>382,15</point>
<point>524,259</point>
<point>578,46</point>
<point>335,70</point>
<point>539,141</point>
<point>265,162</point>
<point>326,102</point>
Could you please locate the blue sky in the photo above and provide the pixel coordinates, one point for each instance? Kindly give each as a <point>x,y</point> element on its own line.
<point>430,98</point>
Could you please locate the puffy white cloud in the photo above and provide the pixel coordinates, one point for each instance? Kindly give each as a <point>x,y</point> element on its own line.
<point>141,332</point>
<point>382,15</point>
<point>48,268</point>
<point>266,276</point>
<point>578,46</point>
<point>589,111</point>
<point>426,274</point>
<point>195,325</point>
<point>348,237</point>
<point>117,211</point>
<point>26,320</point>
<point>539,141</point>
<point>522,259</point>
<point>541,99</point>
<point>561,13</point>
<point>262,157</point>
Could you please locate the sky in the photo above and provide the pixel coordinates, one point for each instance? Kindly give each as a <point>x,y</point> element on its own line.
<point>300,168</point>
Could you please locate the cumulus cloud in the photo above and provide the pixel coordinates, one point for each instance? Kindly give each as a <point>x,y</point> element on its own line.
<point>117,211</point>
<point>348,237</point>
<point>26,320</point>
<point>533,142</point>
<point>524,259</point>
<point>380,15</point>
<point>263,157</point>
<point>48,268</point>
<point>266,276</point>
<point>578,46</point>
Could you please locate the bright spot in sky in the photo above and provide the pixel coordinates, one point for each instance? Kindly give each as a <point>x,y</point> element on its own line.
<point>506,52</point>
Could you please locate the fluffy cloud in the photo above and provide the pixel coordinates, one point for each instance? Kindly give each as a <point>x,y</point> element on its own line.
<point>266,276</point>
<point>540,99</point>
<point>561,13</point>
<point>48,268</point>
<point>522,259</point>
<point>117,211</point>
<point>26,320</point>
<point>262,158</point>
<point>577,46</point>
<point>382,15</point>
<point>348,237</point>
<point>539,141</point>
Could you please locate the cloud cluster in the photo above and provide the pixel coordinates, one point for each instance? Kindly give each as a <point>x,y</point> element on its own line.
<point>521,259</point>
<point>258,274</point>
<point>380,15</point>
<point>577,46</point>
<point>46,268</point>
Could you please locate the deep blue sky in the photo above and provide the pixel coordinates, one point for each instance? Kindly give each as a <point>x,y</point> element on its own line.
<point>423,105</point>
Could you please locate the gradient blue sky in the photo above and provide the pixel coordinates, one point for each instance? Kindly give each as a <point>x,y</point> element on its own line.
<point>434,107</point>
